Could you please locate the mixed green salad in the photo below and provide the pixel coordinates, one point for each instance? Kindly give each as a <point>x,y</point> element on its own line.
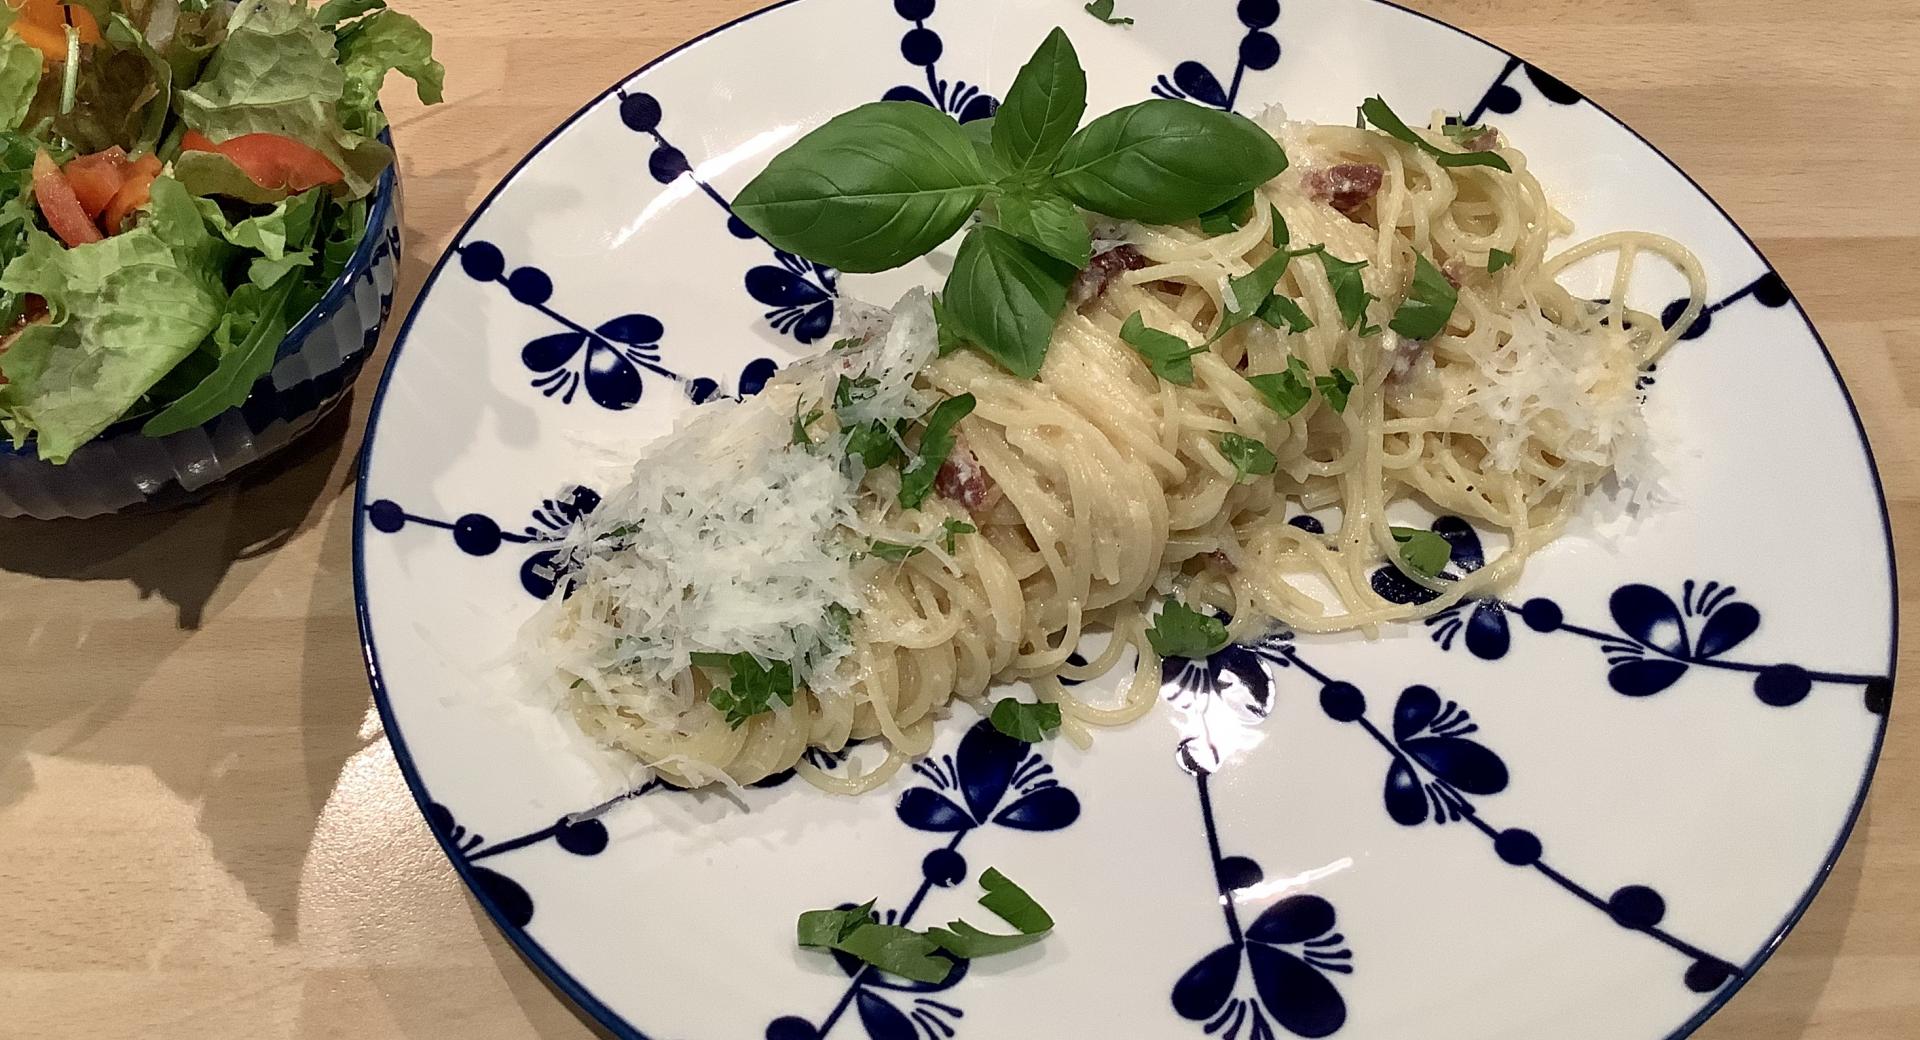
<point>180,181</point>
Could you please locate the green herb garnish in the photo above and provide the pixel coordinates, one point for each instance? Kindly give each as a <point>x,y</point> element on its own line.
<point>752,688</point>
<point>1335,388</point>
<point>824,929</point>
<point>1181,631</point>
<point>897,951</point>
<point>1279,311</point>
<point>1028,723</point>
<point>1288,391</point>
<point>873,443</point>
<point>1498,258</point>
<point>1349,290</point>
<point>1377,113</point>
<point>1169,356</point>
<point>1429,304</point>
<point>916,481</point>
<point>1423,551</point>
<point>1048,222</point>
<point>894,552</point>
<point>848,391</point>
<point>1103,10</point>
<point>1249,457</point>
<point>1231,215</point>
<point>1011,904</point>
<point>913,955</point>
<point>801,422</point>
<point>950,529</point>
<point>1281,234</point>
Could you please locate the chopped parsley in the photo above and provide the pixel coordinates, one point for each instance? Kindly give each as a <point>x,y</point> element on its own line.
<point>823,929</point>
<point>1279,311</point>
<point>1166,354</point>
<point>897,951</point>
<point>927,957</point>
<point>1181,631</point>
<point>801,422</point>
<point>1349,290</point>
<point>847,391</point>
<point>842,619</point>
<point>1231,215</point>
<point>874,443</point>
<point>1460,133</point>
<point>1103,10</point>
<point>1250,458</point>
<point>1281,233</point>
<point>894,551</point>
<point>1027,723</point>
<point>916,481</point>
<point>1496,259</point>
<point>1376,112</point>
<point>1335,388</point>
<point>1286,392</point>
<point>752,688</point>
<point>1423,551</point>
<point>1429,304</point>
<point>951,528</point>
<point>1011,904</point>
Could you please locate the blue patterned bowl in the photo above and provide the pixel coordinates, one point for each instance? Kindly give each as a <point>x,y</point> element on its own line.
<point>1587,809</point>
<point>317,364</point>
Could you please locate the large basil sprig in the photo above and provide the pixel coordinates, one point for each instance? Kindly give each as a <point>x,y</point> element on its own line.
<point>888,182</point>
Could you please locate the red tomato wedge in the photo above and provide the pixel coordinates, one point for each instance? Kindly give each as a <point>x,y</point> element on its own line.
<point>97,178</point>
<point>43,25</point>
<point>133,194</point>
<point>270,160</point>
<point>59,205</point>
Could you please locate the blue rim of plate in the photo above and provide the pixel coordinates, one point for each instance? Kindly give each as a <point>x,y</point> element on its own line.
<point>530,948</point>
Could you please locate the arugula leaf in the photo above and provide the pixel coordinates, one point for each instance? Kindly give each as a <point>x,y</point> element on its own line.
<point>1003,296</point>
<point>1286,392</point>
<point>916,481</point>
<point>894,551</point>
<point>873,442</point>
<point>1335,388</point>
<point>1166,161</point>
<point>1281,235</point>
<point>1231,215</point>
<point>125,311</point>
<point>1423,551</point>
<point>1429,303</point>
<point>752,688</point>
<point>1011,904</point>
<point>19,79</point>
<point>1280,310</point>
<point>1049,222</point>
<point>1249,457</point>
<point>1167,355</point>
<point>1349,290</point>
<point>1042,108</point>
<point>870,189</point>
<point>1181,631</point>
<point>897,951</point>
<point>951,529</point>
<point>1496,259</point>
<point>1103,10</point>
<point>824,929</point>
<point>383,42</point>
<point>1027,723</point>
<point>1376,112</point>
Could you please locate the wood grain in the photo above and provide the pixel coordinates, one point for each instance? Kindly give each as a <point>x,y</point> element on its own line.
<point>202,830</point>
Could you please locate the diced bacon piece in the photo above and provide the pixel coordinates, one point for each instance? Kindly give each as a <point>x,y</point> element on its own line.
<point>1345,186</point>
<point>962,479</point>
<point>1093,282</point>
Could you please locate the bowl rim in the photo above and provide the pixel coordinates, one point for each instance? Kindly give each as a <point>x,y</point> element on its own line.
<point>379,212</point>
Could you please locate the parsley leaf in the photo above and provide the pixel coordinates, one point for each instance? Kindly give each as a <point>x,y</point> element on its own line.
<point>1286,392</point>
<point>1423,551</point>
<point>1252,290</point>
<point>1376,111</point>
<point>1231,215</point>
<point>847,391</point>
<point>1181,631</point>
<point>1281,233</point>
<point>950,527</point>
<point>1498,258</point>
<point>1027,723</point>
<point>824,929</point>
<point>1460,133</point>
<point>1166,354</point>
<point>1011,904</point>
<point>1103,10</point>
<point>1429,304</point>
<point>1349,290</point>
<point>801,422</point>
<point>873,442</point>
<point>841,617</point>
<point>897,951</point>
<point>916,482</point>
<point>1249,457</point>
<point>894,551</point>
<point>753,686</point>
<point>1335,388</point>
<point>1279,310</point>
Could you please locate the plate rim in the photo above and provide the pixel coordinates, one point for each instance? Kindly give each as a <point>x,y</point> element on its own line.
<point>602,1015</point>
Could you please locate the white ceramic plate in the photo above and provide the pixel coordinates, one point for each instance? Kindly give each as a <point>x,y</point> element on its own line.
<point>1587,811</point>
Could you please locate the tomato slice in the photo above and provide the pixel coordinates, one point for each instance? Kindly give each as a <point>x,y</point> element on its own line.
<point>44,26</point>
<point>59,205</point>
<point>133,194</point>
<point>97,178</point>
<point>270,160</point>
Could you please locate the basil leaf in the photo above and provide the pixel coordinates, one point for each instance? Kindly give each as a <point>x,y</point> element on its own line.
<point>1376,112</point>
<point>1285,392</point>
<point>1335,388</point>
<point>1103,10</point>
<point>1003,296</point>
<point>869,190</point>
<point>1429,303</point>
<point>1166,354</point>
<point>1496,259</point>
<point>1249,457</point>
<point>1181,631</point>
<point>1423,551</point>
<point>824,929</point>
<point>894,551</point>
<point>980,133</point>
<point>1042,108</point>
<point>951,528</point>
<point>897,951</point>
<point>1050,222</point>
<point>1282,235</point>
<point>1012,904</point>
<point>1166,161</point>
<point>1349,290</point>
<point>1027,723</point>
<point>916,481</point>
<point>1231,215</point>
<point>1279,310</point>
<point>950,335</point>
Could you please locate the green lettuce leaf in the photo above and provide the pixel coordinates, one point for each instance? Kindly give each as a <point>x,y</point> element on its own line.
<point>277,74</point>
<point>155,109</point>
<point>281,237</point>
<point>125,311</point>
<point>120,96</point>
<point>210,173</point>
<point>19,79</point>
<point>383,42</point>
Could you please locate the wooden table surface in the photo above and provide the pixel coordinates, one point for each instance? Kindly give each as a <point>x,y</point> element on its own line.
<point>202,830</point>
